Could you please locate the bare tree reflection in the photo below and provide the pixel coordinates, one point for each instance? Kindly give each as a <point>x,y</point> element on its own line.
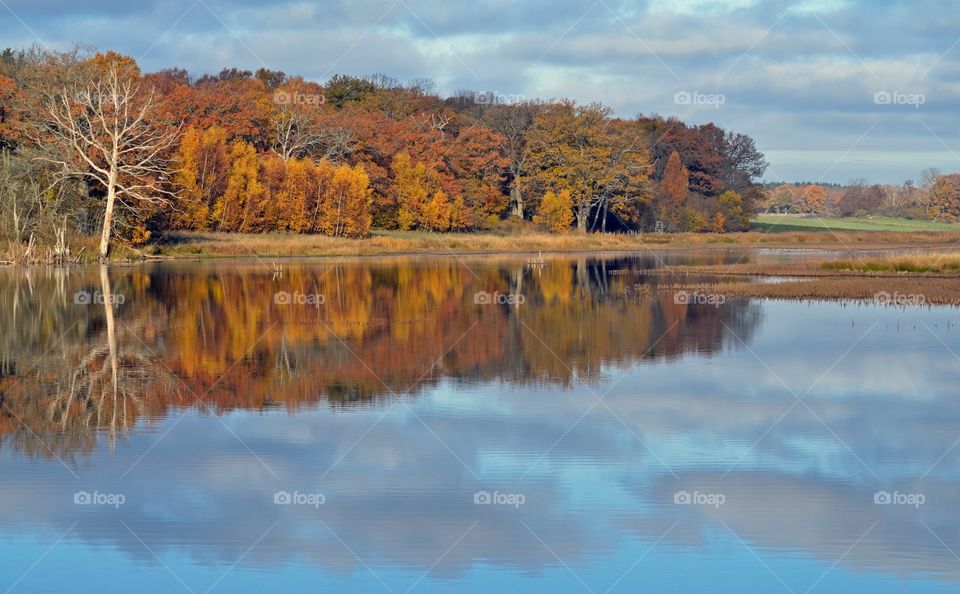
<point>89,384</point>
<point>150,338</point>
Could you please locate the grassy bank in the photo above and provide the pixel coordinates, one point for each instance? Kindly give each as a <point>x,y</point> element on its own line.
<point>512,240</point>
<point>222,245</point>
<point>786,223</point>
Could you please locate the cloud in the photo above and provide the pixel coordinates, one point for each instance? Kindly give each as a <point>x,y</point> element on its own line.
<point>798,76</point>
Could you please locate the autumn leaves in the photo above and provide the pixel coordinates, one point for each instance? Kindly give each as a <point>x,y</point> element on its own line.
<point>422,202</point>
<point>233,188</point>
<point>267,152</point>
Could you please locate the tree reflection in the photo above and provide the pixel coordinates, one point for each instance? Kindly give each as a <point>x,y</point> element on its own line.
<point>97,378</point>
<point>165,336</point>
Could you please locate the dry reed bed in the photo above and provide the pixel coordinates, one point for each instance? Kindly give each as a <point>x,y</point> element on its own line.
<point>278,245</point>
<point>930,278</point>
<point>930,265</point>
<point>925,263</point>
<point>893,291</point>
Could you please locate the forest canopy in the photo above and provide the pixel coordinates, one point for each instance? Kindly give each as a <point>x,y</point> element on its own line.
<point>259,151</point>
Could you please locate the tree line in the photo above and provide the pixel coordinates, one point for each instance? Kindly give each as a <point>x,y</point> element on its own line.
<point>91,144</point>
<point>936,197</point>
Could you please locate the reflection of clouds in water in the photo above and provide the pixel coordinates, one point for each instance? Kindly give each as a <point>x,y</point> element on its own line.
<point>819,518</point>
<point>399,497</point>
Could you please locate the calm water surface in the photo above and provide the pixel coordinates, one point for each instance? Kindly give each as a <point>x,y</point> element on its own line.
<point>469,425</point>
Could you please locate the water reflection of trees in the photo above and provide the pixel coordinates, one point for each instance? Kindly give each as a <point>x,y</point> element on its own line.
<point>94,377</point>
<point>215,334</point>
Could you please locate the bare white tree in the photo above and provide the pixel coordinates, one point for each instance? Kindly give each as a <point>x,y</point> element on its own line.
<point>299,132</point>
<point>106,128</point>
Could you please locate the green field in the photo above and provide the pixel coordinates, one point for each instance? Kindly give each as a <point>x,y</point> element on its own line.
<point>780,224</point>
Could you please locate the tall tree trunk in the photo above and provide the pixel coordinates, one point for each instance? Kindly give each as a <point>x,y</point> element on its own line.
<point>517,201</point>
<point>583,213</point>
<point>108,216</point>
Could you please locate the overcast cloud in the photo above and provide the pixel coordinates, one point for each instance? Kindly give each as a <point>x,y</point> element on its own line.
<point>830,89</point>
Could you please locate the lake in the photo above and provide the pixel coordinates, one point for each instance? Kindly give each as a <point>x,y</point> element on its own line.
<point>472,424</point>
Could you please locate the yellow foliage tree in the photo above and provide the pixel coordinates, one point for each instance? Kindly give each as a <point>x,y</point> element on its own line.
<point>461,216</point>
<point>244,191</point>
<point>203,160</point>
<point>556,211</point>
<point>346,203</point>
<point>321,177</point>
<point>718,222</point>
<point>436,212</point>
<point>292,201</point>
<point>416,185</point>
<point>268,211</point>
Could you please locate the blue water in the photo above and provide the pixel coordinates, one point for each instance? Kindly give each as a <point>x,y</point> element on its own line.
<point>780,421</point>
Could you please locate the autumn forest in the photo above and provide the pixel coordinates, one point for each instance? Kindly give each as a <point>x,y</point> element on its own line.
<point>265,151</point>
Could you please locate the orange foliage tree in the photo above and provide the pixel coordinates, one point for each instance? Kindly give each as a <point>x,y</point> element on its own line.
<point>944,199</point>
<point>675,182</point>
<point>815,197</point>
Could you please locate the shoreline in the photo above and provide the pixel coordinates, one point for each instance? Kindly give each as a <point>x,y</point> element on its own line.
<point>223,247</point>
<point>201,246</point>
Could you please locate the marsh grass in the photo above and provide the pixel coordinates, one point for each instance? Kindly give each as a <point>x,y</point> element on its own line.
<point>219,245</point>
<point>925,263</point>
<point>931,291</point>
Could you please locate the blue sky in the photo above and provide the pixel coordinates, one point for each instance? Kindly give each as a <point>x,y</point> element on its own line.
<point>830,89</point>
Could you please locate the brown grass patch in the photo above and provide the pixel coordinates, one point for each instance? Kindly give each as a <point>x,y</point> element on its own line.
<point>884,291</point>
<point>924,263</point>
<point>389,243</point>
